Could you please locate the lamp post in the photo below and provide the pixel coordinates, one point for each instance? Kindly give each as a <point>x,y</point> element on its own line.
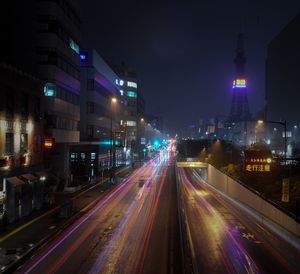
<point>112,142</point>
<point>285,137</point>
<point>141,133</point>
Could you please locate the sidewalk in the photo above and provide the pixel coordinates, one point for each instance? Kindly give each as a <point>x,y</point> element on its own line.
<point>24,237</point>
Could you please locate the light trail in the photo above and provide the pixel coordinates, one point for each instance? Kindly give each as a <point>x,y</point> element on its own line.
<point>234,257</point>
<point>274,242</point>
<point>142,210</point>
<point>119,236</point>
<point>121,189</point>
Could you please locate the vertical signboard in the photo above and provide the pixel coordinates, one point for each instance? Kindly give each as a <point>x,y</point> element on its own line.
<point>285,190</point>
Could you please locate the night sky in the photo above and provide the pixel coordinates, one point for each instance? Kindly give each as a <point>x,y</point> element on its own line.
<point>183,50</point>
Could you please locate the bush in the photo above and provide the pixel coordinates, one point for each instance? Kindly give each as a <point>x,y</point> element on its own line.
<point>232,171</point>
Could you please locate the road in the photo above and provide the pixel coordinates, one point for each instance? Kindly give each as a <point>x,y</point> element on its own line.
<point>223,239</point>
<point>132,229</point>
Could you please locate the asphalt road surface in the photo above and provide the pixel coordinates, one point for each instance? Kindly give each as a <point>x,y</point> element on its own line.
<point>224,239</point>
<point>133,229</point>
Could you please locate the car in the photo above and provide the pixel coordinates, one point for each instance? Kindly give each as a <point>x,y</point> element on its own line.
<point>141,182</point>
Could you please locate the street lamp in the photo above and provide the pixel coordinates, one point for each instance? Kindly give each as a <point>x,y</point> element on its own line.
<point>112,143</point>
<point>141,134</point>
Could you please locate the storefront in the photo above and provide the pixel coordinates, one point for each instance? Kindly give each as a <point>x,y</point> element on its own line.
<point>83,164</point>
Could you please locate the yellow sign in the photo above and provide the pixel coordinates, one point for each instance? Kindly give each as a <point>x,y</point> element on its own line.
<point>240,81</point>
<point>258,168</point>
<point>261,160</point>
<point>191,164</point>
<point>285,190</point>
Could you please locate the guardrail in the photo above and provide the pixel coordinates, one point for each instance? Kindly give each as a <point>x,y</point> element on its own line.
<point>292,215</point>
<point>254,200</point>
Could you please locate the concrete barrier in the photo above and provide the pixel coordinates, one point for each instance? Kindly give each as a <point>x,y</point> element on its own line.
<point>240,193</point>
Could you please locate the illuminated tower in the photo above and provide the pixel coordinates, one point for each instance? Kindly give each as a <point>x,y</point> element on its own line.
<point>239,106</point>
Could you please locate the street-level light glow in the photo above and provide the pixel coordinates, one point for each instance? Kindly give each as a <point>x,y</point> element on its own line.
<point>142,120</point>
<point>202,193</point>
<point>260,122</point>
<point>114,100</point>
<point>48,142</point>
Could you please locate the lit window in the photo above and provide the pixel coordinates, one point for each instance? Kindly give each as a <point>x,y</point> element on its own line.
<point>73,45</point>
<point>9,143</point>
<point>93,155</point>
<point>131,123</point>
<point>50,90</point>
<point>131,93</point>
<point>24,142</point>
<point>83,56</point>
<point>131,84</point>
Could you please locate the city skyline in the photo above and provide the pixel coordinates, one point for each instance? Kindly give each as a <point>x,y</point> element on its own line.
<point>150,137</point>
<point>171,33</point>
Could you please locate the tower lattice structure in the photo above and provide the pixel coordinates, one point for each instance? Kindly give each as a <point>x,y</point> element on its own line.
<point>239,110</point>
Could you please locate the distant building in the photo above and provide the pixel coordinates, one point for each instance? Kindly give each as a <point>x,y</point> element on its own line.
<point>132,102</point>
<point>98,87</point>
<point>212,128</point>
<point>282,76</point>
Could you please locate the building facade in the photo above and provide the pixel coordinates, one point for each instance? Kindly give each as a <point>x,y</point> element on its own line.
<point>99,117</point>
<point>58,64</point>
<point>133,106</point>
<point>21,135</point>
<point>282,71</point>
<point>44,40</point>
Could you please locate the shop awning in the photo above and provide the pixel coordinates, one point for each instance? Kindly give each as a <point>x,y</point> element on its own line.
<point>29,177</point>
<point>14,181</point>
